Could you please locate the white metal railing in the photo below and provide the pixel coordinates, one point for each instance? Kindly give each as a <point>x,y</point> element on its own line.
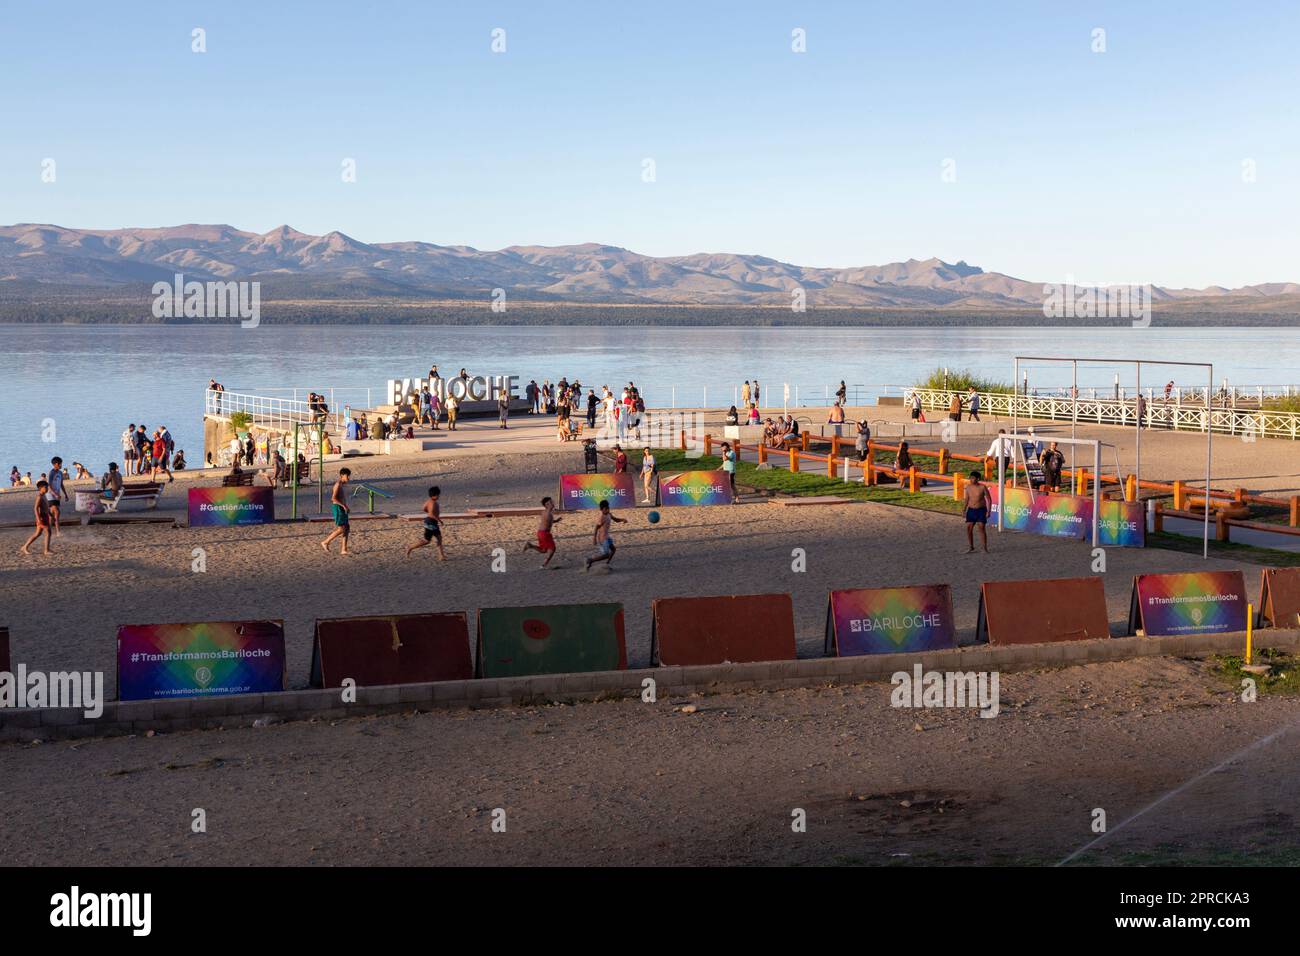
<point>268,410</point>
<point>1176,415</point>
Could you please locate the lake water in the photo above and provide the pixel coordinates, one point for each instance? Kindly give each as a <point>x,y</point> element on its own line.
<point>84,384</point>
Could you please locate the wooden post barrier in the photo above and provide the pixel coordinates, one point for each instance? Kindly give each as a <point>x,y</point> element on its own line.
<point>869,474</point>
<point>830,466</point>
<point>913,482</point>
<point>1220,526</point>
<point>1180,498</point>
<point>708,444</point>
<point>1131,488</point>
<point>958,487</point>
<point>794,461</point>
<point>988,468</point>
<point>1295,511</point>
<point>1158,518</point>
<point>803,440</point>
<point>835,446</point>
<point>943,461</point>
<point>683,440</point>
<point>762,454</point>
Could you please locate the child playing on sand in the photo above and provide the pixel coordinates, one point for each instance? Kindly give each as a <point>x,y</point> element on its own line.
<point>339,499</point>
<point>42,512</point>
<point>601,537</point>
<point>432,524</point>
<point>57,493</point>
<point>978,502</point>
<point>545,540</point>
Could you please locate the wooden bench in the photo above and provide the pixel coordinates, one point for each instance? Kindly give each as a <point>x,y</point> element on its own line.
<point>242,480</point>
<point>145,492</point>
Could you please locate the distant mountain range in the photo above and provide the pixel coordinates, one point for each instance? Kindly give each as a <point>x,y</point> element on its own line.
<point>42,259</point>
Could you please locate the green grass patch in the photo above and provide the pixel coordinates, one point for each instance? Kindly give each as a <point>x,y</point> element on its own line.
<point>804,484</point>
<point>1229,550</point>
<point>1283,676</point>
<point>959,380</point>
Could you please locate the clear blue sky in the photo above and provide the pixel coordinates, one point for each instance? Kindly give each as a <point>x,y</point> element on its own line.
<point>1115,167</point>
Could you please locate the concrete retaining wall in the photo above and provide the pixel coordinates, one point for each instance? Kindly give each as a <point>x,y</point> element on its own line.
<point>133,717</point>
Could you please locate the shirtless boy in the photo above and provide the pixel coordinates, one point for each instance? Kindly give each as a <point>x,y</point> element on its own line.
<point>545,540</point>
<point>432,524</point>
<point>42,511</point>
<point>978,502</point>
<point>339,499</point>
<point>601,537</point>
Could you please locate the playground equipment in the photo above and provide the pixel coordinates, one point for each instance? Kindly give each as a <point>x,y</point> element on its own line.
<point>371,492</point>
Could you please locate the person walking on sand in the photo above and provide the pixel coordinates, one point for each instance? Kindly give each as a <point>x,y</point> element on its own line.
<point>649,469</point>
<point>57,492</point>
<point>339,499</point>
<point>601,537</point>
<point>432,524</point>
<point>729,466</point>
<point>42,513</point>
<point>545,540</point>
<point>503,409</point>
<point>978,501</point>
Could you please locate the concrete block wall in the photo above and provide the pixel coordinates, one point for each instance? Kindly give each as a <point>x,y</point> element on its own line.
<point>169,716</point>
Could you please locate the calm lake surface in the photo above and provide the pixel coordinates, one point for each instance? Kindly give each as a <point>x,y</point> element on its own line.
<point>91,381</point>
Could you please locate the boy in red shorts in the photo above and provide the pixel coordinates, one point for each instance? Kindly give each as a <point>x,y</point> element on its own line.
<point>545,540</point>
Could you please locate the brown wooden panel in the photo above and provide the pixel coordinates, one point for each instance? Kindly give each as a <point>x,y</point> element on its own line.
<point>396,649</point>
<point>1043,612</point>
<point>719,630</point>
<point>1280,596</point>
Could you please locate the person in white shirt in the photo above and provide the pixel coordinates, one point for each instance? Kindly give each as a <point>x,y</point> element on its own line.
<point>1001,448</point>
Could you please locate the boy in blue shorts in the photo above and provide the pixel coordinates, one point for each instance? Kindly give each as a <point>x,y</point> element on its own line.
<point>601,537</point>
<point>432,524</point>
<point>978,502</point>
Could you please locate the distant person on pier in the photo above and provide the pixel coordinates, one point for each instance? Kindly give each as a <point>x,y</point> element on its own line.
<point>592,403</point>
<point>973,403</point>
<point>215,386</point>
<point>758,400</point>
<point>916,405</point>
<point>842,393</point>
<point>15,477</point>
<point>1141,411</point>
<point>503,410</point>
<point>744,393</point>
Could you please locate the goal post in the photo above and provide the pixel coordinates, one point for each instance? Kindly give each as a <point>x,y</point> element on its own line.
<point>1016,439</point>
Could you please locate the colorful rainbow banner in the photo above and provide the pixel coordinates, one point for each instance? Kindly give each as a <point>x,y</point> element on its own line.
<point>578,492</point>
<point>1193,602</point>
<point>1120,523</point>
<point>158,661</point>
<point>890,620</point>
<point>231,506</point>
<point>695,488</point>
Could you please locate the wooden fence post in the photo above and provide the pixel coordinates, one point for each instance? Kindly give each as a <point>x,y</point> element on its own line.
<point>1295,511</point>
<point>794,461</point>
<point>1131,488</point>
<point>958,487</point>
<point>913,482</point>
<point>1180,496</point>
<point>943,461</point>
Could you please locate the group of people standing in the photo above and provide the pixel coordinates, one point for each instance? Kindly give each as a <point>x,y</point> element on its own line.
<point>145,454</point>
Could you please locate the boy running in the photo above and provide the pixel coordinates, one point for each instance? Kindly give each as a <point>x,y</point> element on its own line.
<point>339,499</point>
<point>42,511</point>
<point>545,540</point>
<point>432,524</point>
<point>978,502</point>
<point>601,537</point>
